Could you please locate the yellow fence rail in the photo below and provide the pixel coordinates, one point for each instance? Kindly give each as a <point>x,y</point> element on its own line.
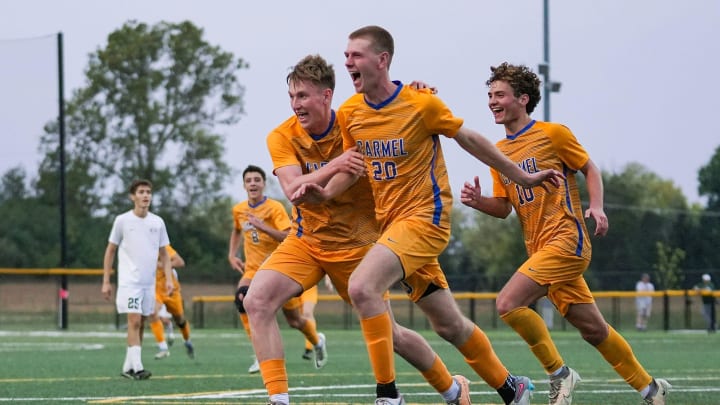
<point>476,299</point>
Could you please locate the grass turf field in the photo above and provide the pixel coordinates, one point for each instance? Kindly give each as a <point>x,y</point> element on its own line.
<point>83,367</point>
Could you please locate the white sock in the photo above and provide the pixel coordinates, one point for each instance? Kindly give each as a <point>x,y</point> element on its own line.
<point>163,346</point>
<point>136,358</point>
<point>127,364</point>
<point>452,392</point>
<point>283,398</point>
<point>646,390</point>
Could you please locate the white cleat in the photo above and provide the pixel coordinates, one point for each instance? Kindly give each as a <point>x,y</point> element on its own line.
<point>321,355</point>
<point>663,388</point>
<point>254,368</point>
<point>162,354</point>
<point>561,388</point>
<point>390,401</point>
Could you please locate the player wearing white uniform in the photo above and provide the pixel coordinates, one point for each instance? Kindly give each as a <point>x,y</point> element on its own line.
<point>139,237</point>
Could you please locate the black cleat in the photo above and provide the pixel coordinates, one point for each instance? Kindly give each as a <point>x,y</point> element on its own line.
<point>142,375</point>
<point>190,350</point>
<point>308,354</point>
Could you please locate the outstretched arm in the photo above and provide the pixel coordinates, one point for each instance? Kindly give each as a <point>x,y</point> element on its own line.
<point>487,153</point>
<point>593,178</point>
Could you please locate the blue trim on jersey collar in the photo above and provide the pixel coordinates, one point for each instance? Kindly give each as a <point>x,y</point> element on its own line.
<point>327,131</point>
<point>522,131</point>
<point>389,100</point>
<point>259,202</point>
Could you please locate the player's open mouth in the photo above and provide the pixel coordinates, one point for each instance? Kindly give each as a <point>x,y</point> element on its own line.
<point>355,75</point>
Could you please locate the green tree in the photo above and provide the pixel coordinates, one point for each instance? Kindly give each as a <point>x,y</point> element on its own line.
<point>484,251</point>
<point>709,179</point>
<point>642,209</point>
<point>153,106</point>
<point>155,96</point>
<point>669,275</point>
<point>29,231</point>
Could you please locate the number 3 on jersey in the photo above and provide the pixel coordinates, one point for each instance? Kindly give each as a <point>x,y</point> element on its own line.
<point>384,171</point>
<point>525,195</point>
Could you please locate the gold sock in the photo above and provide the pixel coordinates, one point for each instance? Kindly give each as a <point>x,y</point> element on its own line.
<point>480,355</point>
<point>158,330</point>
<point>616,351</point>
<point>438,376</point>
<point>377,331</point>
<point>274,376</point>
<point>310,332</point>
<point>531,327</point>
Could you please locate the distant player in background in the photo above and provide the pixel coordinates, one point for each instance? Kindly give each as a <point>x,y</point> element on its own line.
<point>705,289</point>
<point>260,224</point>
<point>140,238</point>
<point>556,237</point>
<point>174,304</point>
<point>643,303</point>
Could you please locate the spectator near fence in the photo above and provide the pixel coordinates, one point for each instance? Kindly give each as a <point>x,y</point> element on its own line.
<point>705,290</point>
<point>643,303</point>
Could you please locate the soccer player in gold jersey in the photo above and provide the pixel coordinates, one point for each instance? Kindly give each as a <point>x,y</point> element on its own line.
<point>259,225</point>
<point>328,238</point>
<point>396,130</point>
<point>173,304</point>
<point>556,237</point>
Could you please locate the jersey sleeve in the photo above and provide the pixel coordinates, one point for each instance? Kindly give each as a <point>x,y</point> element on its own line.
<point>116,232</point>
<point>281,219</point>
<point>171,252</point>
<point>164,238</point>
<point>567,147</point>
<point>281,151</point>
<point>498,185</point>
<point>439,119</point>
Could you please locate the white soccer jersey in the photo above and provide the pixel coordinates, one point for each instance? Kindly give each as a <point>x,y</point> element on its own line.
<point>138,240</point>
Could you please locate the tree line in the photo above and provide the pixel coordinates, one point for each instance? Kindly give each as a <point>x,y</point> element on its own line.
<point>154,101</point>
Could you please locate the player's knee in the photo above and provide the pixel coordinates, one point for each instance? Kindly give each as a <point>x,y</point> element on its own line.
<point>242,290</point>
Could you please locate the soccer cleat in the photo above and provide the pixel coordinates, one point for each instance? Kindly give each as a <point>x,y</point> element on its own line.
<point>658,398</point>
<point>321,352</point>
<point>390,401</point>
<point>463,396</point>
<point>190,349</point>
<point>561,388</point>
<point>307,354</point>
<point>523,391</point>
<point>142,375</point>
<point>128,373</point>
<point>162,354</point>
<point>170,340</point>
<point>254,368</point>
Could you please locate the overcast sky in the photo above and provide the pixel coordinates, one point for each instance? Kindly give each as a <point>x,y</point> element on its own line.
<point>637,76</point>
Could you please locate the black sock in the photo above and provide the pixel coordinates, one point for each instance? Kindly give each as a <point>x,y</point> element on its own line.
<point>388,390</point>
<point>507,391</point>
